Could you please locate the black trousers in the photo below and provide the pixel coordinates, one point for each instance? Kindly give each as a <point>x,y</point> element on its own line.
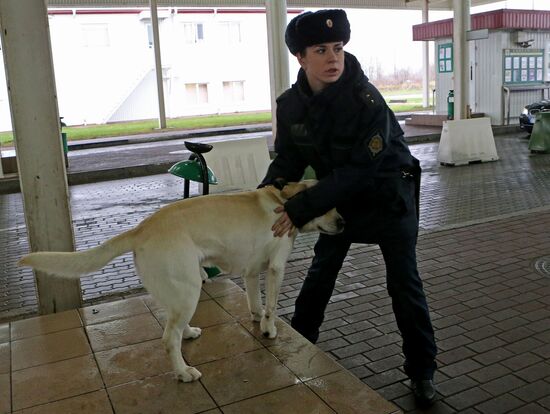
<point>396,236</point>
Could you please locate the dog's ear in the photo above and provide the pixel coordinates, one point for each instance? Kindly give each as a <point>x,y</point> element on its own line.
<point>291,189</point>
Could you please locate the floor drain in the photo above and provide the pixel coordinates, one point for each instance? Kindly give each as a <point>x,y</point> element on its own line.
<point>542,265</point>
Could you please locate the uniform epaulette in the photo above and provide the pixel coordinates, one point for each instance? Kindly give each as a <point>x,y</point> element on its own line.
<point>371,96</point>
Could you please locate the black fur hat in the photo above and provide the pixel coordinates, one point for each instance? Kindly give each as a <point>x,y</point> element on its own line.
<point>310,28</point>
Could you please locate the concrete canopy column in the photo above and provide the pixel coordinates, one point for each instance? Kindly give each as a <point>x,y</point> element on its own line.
<point>425,60</point>
<point>461,59</point>
<point>279,78</point>
<point>35,119</point>
<point>158,63</point>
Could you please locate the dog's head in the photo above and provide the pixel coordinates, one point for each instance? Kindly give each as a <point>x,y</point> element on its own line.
<point>329,223</point>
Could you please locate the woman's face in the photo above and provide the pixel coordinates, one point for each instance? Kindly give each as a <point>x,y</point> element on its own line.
<point>323,64</point>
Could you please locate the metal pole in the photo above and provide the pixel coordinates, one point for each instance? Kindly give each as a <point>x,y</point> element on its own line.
<point>158,64</point>
<point>279,78</point>
<point>35,119</point>
<point>425,61</point>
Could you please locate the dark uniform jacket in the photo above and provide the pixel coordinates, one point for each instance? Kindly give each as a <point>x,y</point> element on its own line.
<point>353,142</point>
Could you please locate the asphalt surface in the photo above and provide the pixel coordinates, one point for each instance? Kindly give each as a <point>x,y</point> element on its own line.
<point>146,154</point>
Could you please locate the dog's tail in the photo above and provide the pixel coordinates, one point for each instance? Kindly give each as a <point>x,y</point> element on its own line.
<point>76,264</point>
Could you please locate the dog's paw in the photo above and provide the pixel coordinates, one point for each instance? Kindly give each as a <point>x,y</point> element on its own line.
<point>192,333</point>
<point>189,374</point>
<point>268,328</point>
<point>256,316</point>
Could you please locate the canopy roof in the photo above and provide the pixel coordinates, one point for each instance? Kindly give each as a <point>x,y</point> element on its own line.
<point>360,4</point>
<point>505,19</point>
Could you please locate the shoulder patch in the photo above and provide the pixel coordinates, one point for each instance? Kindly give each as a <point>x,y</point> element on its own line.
<point>375,145</point>
<point>298,130</point>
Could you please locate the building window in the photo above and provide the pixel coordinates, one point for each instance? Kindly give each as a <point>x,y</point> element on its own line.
<point>150,41</point>
<point>193,33</point>
<point>523,66</point>
<point>196,93</point>
<point>233,91</point>
<point>230,32</point>
<point>95,35</point>
<point>445,58</point>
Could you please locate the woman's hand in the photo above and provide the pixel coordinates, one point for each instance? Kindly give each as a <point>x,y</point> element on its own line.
<point>283,225</point>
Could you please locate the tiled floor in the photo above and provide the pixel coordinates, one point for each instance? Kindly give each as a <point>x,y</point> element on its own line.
<point>109,358</point>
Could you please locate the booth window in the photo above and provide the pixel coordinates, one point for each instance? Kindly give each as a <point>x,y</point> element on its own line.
<point>523,66</point>
<point>233,91</point>
<point>193,32</point>
<point>230,32</point>
<point>445,58</point>
<point>196,93</point>
<point>150,35</point>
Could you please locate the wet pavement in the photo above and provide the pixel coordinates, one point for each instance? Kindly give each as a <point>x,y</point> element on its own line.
<point>109,359</point>
<point>485,234</point>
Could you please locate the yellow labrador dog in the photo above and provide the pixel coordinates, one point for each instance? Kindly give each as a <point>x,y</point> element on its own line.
<point>230,231</point>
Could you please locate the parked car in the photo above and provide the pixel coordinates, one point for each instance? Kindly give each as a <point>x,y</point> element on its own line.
<point>527,117</point>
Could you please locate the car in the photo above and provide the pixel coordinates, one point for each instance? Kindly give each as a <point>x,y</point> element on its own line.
<point>527,117</point>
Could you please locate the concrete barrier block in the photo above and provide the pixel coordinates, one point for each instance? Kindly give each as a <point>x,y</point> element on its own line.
<point>467,141</point>
<point>238,164</point>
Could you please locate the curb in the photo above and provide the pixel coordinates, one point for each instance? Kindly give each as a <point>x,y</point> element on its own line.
<point>167,136</point>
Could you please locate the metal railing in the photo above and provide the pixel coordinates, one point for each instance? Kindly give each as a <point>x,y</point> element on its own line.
<point>508,90</point>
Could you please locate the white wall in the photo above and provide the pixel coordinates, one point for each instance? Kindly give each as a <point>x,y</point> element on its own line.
<point>92,79</point>
<point>215,61</point>
<point>116,81</point>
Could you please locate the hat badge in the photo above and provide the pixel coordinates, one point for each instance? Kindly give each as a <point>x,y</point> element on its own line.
<point>329,23</point>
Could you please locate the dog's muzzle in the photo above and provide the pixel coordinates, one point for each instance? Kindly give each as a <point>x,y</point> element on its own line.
<point>336,227</point>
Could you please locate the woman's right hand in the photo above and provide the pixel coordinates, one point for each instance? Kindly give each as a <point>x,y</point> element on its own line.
<point>283,225</point>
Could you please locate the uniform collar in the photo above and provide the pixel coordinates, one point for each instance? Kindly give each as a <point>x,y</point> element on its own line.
<point>352,73</point>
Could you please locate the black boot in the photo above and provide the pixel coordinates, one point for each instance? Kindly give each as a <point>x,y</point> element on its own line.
<point>312,335</point>
<point>424,392</point>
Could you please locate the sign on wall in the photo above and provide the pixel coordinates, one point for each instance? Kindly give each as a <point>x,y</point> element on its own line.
<point>523,66</point>
<point>445,58</point>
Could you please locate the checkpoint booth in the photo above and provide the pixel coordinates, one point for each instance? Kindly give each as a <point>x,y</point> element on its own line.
<point>509,62</point>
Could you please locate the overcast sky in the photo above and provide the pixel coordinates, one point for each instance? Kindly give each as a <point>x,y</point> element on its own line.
<point>386,35</point>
